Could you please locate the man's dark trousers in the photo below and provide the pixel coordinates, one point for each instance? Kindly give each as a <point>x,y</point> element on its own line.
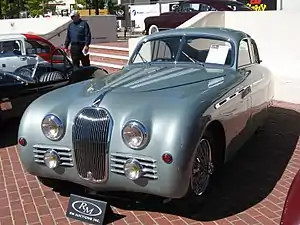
<point>77,56</point>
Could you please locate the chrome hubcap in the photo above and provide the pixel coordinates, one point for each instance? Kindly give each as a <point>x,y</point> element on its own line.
<point>202,167</point>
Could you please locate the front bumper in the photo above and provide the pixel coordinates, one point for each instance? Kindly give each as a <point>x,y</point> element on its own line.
<point>161,179</point>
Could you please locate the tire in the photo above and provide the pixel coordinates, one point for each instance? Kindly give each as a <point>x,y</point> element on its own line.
<point>51,76</point>
<point>204,169</point>
<point>153,29</point>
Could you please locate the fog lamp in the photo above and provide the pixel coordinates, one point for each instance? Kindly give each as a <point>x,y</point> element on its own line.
<point>51,159</point>
<point>133,169</point>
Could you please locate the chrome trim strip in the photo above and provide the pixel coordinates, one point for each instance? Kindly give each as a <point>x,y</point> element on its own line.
<point>64,153</point>
<point>227,99</point>
<point>149,164</point>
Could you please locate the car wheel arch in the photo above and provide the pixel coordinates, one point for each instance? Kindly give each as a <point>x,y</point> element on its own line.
<point>216,128</point>
<point>151,26</point>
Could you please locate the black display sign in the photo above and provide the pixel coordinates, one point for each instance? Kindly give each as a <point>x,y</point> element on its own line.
<point>86,210</point>
<point>261,5</point>
<point>173,7</point>
<point>119,11</point>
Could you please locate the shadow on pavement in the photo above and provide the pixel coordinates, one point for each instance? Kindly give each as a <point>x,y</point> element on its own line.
<point>9,132</point>
<point>245,181</point>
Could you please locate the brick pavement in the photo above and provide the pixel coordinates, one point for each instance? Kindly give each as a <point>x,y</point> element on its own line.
<point>251,189</point>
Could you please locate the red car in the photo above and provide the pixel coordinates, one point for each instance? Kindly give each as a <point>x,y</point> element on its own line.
<point>291,210</point>
<point>186,10</point>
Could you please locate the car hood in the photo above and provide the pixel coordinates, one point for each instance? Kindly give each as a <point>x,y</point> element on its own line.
<point>142,85</point>
<point>156,78</point>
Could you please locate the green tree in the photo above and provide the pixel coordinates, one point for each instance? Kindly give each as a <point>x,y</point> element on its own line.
<point>81,2</point>
<point>36,7</point>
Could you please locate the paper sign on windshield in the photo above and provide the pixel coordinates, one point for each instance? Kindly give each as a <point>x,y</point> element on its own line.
<point>217,54</point>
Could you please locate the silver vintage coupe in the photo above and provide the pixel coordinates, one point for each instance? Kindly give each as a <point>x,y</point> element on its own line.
<point>185,103</point>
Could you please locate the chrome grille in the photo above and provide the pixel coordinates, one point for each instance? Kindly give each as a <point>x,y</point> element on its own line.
<point>91,133</point>
<point>148,164</point>
<point>64,154</point>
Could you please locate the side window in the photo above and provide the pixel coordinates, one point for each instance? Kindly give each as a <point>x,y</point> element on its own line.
<point>244,57</point>
<point>10,48</point>
<point>36,47</point>
<point>255,51</point>
<point>205,7</point>
<point>187,7</point>
<point>160,50</point>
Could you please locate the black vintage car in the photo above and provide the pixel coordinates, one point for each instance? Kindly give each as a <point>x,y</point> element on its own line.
<point>25,84</point>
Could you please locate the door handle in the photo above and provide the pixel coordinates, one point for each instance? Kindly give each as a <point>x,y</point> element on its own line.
<point>246,92</point>
<point>23,58</point>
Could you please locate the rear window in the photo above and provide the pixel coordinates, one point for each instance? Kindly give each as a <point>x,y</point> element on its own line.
<point>37,47</point>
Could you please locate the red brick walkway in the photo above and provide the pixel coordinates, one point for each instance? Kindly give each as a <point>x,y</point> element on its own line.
<point>250,190</point>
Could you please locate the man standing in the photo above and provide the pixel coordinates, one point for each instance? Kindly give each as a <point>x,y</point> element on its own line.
<point>79,36</point>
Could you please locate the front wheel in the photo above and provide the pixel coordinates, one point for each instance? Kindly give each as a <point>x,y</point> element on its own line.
<point>203,167</point>
<point>205,164</point>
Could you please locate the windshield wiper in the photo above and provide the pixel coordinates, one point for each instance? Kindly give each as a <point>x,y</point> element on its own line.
<point>193,60</point>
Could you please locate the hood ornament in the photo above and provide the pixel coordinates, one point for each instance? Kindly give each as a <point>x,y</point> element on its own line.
<point>98,100</point>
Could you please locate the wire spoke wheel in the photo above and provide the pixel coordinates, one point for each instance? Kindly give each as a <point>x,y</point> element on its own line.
<point>202,167</point>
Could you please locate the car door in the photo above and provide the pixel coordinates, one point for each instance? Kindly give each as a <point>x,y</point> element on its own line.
<point>240,123</point>
<point>11,55</point>
<point>260,87</point>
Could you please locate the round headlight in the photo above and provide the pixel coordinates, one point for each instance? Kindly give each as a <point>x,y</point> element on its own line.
<point>135,135</point>
<point>133,169</point>
<point>51,159</point>
<point>52,127</point>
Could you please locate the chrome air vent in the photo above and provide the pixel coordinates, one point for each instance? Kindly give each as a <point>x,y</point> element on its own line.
<point>64,154</point>
<point>149,164</point>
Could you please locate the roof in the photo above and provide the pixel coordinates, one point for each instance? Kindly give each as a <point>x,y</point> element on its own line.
<point>225,33</point>
<point>11,36</point>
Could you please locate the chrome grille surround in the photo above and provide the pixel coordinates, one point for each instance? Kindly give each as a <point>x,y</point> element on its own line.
<point>149,165</point>
<point>91,134</point>
<point>65,154</point>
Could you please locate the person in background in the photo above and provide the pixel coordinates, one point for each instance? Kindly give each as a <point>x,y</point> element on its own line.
<point>79,36</point>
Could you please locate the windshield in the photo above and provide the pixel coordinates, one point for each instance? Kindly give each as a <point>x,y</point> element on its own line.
<point>190,49</point>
